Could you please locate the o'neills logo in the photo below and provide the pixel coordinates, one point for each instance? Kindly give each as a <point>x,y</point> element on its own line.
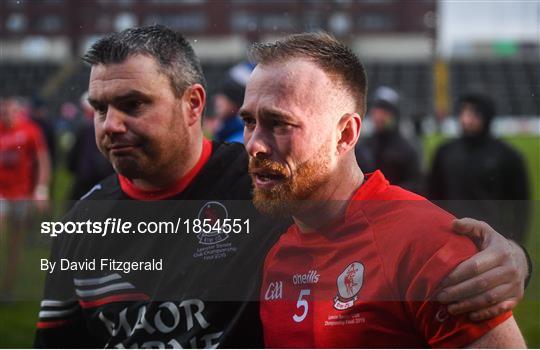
<point>349,284</point>
<point>311,277</point>
<point>215,214</point>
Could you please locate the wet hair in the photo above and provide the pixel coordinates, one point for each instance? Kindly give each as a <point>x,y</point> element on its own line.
<point>170,49</point>
<point>333,57</point>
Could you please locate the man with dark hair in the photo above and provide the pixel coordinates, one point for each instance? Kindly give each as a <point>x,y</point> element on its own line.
<point>147,121</point>
<point>146,87</point>
<point>171,51</point>
<point>363,261</point>
<point>480,175</point>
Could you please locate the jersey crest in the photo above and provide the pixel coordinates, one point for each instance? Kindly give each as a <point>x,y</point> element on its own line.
<point>349,283</point>
<point>215,213</point>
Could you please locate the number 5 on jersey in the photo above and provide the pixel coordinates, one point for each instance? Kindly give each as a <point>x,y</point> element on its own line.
<point>302,303</point>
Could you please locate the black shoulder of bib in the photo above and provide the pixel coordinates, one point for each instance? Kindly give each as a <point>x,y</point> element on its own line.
<point>223,177</point>
<point>106,189</point>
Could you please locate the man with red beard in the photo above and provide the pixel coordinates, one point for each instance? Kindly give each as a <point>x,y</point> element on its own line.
<point>364,260</point>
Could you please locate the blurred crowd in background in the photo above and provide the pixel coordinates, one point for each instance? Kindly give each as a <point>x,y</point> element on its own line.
<point>432,105</point>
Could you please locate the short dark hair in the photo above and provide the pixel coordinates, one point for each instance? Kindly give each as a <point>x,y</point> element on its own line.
<point>481,104</point>
<point>333,57</point>
<point>170,49</point>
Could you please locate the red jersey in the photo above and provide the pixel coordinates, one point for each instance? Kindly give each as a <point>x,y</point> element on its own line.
<point>370,280</point>
<point>19,145</point>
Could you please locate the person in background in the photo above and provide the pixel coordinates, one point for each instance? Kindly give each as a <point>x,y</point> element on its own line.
<point>480,175</point>
<point>227,102</point>
<point>84,160</point>
<point>392,153</point>
<point>39,114</point>
<point>67,125</point>
<point>25,171</point>
<point>210,124</point>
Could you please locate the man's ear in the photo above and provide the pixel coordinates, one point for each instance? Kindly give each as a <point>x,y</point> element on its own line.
<point>349,130</point>
<point>194,103</point>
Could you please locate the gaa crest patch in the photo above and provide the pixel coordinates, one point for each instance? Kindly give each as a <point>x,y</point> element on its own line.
<point>215,213</point>
<point>349,283</point>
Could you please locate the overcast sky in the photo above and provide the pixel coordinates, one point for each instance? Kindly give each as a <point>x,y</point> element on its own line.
<point>487,20</point>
